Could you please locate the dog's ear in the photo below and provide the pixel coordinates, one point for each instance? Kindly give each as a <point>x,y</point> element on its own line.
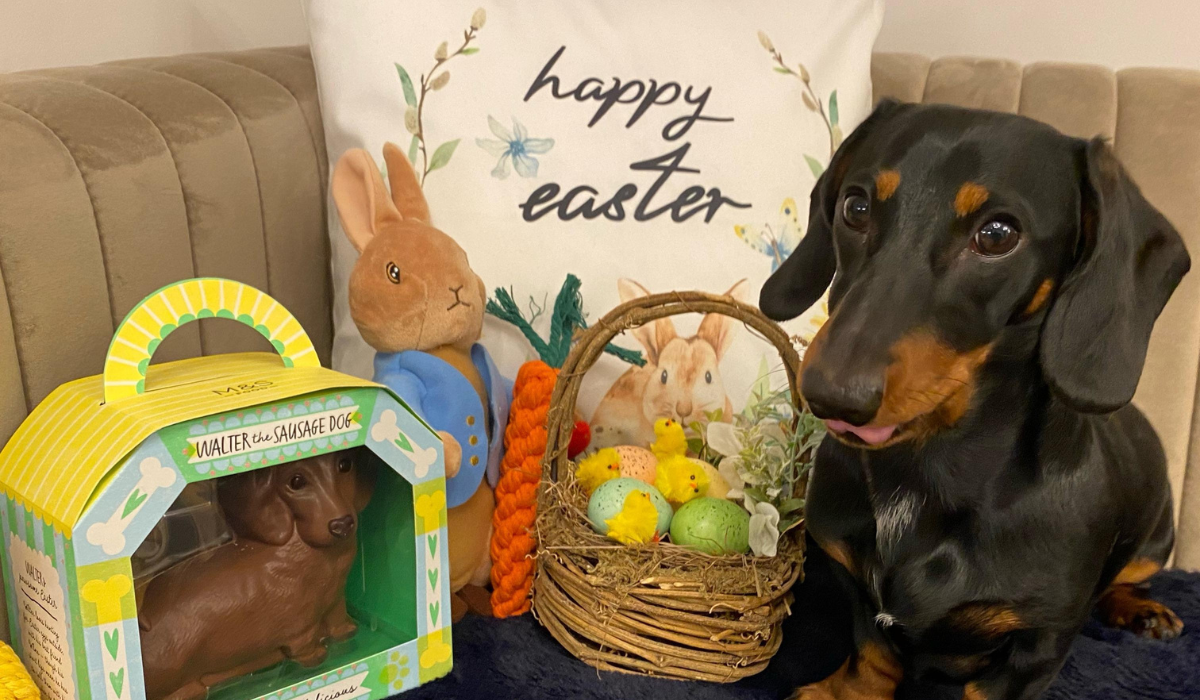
<point>807,272</point>
<point>1131,259</point>
<point>253,507</point>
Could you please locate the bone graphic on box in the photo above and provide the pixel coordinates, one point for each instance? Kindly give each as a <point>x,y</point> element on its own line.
<point>109,535</point>
<point>386,430</point>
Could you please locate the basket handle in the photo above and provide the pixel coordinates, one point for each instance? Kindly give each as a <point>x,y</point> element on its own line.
<point>164,311</point>
<point>591,343</point>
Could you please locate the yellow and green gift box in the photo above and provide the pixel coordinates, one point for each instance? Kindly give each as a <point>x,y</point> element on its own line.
<point>93,469</point>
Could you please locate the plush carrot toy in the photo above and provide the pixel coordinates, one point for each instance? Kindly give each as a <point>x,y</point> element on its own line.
<point>513,542</point>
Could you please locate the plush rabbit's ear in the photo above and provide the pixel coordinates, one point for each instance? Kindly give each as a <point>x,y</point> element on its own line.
<point>653,336</point>
<point>363,204</point>
<point>406,190</point>
<point>717,329</point>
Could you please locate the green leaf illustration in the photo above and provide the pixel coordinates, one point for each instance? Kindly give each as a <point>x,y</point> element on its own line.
<point>433,577</point>
<point>431,540</point>
<point>469,51</point>
<point>135,499</point>
<point>111,638</point>
<point>410,95</point>
<point>833,108</point>
<point>434,609</point>
<point>412,150</point>
<point>814,165</point>
<point>403,443</point>
<point>442,155</point>
<point>785,71</point>
<point>118,680</point>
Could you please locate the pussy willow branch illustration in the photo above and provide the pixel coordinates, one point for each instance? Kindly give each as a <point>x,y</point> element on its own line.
<point>811,100</point>
<point>414,116</point>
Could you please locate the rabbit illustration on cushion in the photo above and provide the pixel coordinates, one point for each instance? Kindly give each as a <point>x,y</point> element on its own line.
<point>416,300</point>
<point>681,378</point>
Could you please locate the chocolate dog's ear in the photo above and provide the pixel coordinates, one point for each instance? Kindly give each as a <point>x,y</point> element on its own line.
<point>1095,336</point>
<point>254,508</point>
<point>807,272</point>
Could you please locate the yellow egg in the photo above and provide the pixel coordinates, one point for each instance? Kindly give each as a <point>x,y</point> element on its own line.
<point>637,463</point>
<point>717,486</point>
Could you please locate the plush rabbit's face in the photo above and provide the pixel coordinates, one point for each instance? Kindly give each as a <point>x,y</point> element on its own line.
<point>412,287</point>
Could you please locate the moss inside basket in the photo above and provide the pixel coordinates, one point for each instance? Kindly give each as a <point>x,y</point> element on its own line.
<point>563,525</point>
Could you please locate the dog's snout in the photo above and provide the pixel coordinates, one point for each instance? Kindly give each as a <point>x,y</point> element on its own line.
<point>341,527</point>
<point>855,400</point>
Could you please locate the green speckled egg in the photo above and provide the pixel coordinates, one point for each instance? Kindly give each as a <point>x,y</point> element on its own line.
<point>712,525</point>
<point>609,499</point>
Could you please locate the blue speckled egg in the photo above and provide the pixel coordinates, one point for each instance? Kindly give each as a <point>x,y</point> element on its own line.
<point>609,499</point>
<point>712,526</point>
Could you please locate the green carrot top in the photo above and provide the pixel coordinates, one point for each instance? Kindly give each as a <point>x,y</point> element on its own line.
<point>565,318</point>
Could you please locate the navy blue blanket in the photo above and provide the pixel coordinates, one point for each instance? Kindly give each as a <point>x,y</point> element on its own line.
<point>517,658</point>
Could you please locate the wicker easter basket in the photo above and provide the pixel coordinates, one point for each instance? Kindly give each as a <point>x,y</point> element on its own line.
<point>658,609</point>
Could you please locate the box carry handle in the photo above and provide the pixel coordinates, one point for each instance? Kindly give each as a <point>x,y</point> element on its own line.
<point>161,313</point>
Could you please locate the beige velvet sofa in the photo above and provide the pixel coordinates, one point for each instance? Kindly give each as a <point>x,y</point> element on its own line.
<point>120,178</point>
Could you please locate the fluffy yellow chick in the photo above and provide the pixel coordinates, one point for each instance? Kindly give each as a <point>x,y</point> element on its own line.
<point>637,523</point>
<point>669,439</point>
<point>680,479</point>
<point>598,468</point>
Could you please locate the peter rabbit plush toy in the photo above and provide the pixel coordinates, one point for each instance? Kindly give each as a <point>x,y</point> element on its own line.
<point>416,300</point>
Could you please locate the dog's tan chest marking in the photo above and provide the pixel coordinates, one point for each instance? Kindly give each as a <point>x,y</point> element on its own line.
<point>986,619</point>
<point>969,198</point>
<point>886,183</point>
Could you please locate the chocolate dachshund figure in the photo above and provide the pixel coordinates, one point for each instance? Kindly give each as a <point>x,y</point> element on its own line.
<point>985,483</point>
<point>276,592</point>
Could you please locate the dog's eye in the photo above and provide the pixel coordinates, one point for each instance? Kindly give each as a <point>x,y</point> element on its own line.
<point>995,238</point>
<point>708,377</point>
<point>297,482</point>
<point>856,212</point>
<point>344,465</point>
<point>393,272</point>
<point>663,377</point>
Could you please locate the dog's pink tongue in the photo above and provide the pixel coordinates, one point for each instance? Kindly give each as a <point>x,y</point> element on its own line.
<point>868,434</point>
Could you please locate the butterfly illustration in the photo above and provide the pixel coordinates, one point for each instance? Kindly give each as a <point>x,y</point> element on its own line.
<point>775,241</point>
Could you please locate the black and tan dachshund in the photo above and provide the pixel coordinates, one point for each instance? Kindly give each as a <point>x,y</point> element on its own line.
<point>986,482</point>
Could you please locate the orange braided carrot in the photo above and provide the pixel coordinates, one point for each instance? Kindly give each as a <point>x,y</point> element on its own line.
<point>513,543</point>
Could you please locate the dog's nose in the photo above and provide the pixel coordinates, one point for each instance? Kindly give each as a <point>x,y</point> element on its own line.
<point>855,401</point>
<point>341,527</point>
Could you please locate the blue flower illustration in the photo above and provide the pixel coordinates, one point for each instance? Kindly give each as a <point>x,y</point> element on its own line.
<point>516,146</point>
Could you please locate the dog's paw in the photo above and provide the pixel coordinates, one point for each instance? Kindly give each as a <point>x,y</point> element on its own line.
<point>1128,608</point>
<point>1153,620</point>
